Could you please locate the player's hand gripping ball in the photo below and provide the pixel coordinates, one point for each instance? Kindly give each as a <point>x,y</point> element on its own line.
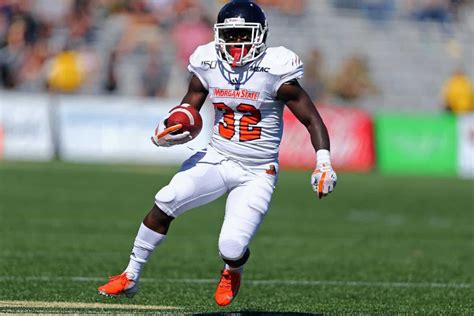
<point>183,124</point>
<point>188,117</point>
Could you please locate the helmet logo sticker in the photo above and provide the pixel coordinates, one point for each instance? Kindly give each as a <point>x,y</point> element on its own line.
<point>237,20</point>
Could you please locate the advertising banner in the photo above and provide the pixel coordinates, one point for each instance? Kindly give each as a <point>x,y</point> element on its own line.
<point>416,144</point>
<point>466,145</point>
<point>109,129</point>
<point>26,127</point>
<point>1,134</point>
<point>1,142</point>
<point>351,133</point>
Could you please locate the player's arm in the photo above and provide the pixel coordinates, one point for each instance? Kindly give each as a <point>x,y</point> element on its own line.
<point>300,104</point>
<point>164,136</point>
<point>323,179</point>
<point>196,94</point>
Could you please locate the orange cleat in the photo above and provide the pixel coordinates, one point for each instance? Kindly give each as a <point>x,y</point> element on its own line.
<point>228,287</point>
<point>120,284</point>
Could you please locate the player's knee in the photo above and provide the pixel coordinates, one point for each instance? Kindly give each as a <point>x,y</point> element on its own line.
<point>160,216</point>
<point>166,195</point>
<point>231,249</point>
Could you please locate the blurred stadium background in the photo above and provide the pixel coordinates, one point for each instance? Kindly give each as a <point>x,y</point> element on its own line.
<point>86,82</point>
<point>393,65</point>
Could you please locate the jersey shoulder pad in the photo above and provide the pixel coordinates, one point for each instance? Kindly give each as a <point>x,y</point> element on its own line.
<point>283,61</point>
<point>203,56</point>
<point>284,65</point>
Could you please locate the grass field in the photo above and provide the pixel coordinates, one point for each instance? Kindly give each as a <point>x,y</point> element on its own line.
<point>385,245</point>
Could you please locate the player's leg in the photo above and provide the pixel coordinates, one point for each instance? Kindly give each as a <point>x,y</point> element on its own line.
<point>246,206</point>
<point>157,220</point>
<point>196,183</point>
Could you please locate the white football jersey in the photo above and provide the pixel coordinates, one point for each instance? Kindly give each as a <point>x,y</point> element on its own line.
<point>248,122</point>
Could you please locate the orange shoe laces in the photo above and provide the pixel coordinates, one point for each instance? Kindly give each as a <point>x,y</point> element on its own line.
<point>121,278</point>
<point>226,280</point>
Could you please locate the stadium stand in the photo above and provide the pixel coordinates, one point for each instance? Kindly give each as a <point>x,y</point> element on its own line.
<point>133,48</point>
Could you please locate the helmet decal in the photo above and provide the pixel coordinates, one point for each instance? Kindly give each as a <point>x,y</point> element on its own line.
<point>237,20</point>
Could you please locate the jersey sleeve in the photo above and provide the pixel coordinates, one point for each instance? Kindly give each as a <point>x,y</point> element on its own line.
<point>288,67</point>
<point>197,65</point>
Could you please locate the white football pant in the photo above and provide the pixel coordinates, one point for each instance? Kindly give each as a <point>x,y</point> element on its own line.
<point>208,175</point>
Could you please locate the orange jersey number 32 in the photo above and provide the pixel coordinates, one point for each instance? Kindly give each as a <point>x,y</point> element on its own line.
<point>247,129</point>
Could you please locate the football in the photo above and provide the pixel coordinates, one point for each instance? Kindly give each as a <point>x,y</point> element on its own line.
<point>188,116</point>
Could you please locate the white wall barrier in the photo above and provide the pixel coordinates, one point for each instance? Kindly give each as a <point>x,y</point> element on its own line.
<point>110,129</point>
<point>24,120</point>
<point>118,129</point>
<point>466,146</point>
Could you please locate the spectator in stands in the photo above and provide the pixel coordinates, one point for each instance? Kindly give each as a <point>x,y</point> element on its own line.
<point>22,10</point>
<point>137,29</point>
<point>431,10</point>
<point>316,79</point>
<point>378,10</point>
<point>13,55</point>
<point>352,81</point>
<point>294,7</point>
<point>154,77</point>
<point>110,80</point>
<point>65,73</point>
<point>74,68</point>
<point>80,24</point>
<point>191,30</point>
<point>4,24</point>
<point>137,26</point>
<point>346,4</point>
<point>457,6</point>
<point>32,76</point>
<point>163,11</point>
<point>458,93</point>
<point>51,12</point>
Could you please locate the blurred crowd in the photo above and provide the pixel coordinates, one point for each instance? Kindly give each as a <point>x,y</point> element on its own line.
<point>443,11</point>
<point>134,47</point>
<point>100,46</point>
<point>141,47</point>
<point>350,82</point>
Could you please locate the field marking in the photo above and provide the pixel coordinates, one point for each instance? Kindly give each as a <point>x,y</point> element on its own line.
<point>71,305</point>
<point>255,282</point>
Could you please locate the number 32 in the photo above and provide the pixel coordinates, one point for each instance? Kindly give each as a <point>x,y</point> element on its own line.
<point>251,116</point>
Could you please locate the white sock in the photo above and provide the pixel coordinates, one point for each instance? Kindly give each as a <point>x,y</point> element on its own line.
<point>145,242</point>
<point>238,269</point>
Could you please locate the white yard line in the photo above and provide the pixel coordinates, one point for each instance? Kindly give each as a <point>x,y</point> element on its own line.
<point>254,282</point>
<point>73,305</point>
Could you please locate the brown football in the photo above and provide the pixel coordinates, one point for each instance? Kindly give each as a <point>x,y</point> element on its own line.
<point>188,116</point>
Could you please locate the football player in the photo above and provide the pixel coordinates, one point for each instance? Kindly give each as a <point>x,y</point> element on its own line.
<point>248,84</point>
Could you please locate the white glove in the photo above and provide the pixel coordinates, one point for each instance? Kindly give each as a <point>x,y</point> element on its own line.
<point>164,138</point>
<point>324,178</point>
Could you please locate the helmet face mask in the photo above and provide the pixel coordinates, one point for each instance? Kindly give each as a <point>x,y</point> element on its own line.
<point>239,40</point>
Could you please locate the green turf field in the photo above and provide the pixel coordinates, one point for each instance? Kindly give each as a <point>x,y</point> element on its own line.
<point>384,245</point>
